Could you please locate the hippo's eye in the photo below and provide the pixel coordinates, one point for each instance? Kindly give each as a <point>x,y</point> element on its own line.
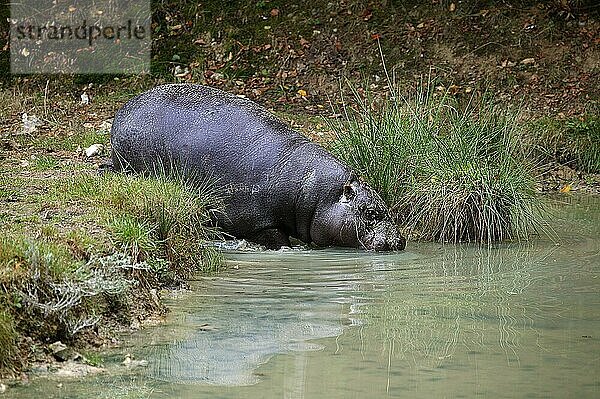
<point>375,214</point>
<point>372,214</point>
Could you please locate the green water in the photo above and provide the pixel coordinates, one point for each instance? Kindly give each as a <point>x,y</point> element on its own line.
<point>513,321</point>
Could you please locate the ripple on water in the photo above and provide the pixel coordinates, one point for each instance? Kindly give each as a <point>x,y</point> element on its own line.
<point>431,302</point>
<point>271,303</point>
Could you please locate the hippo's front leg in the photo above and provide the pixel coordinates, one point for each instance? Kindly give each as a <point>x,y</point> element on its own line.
<point>271,238</point>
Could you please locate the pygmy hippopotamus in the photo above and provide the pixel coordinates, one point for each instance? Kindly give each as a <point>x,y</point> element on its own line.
<point>277,183</point>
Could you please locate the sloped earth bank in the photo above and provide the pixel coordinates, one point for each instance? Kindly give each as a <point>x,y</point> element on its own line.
<point>545,55</point>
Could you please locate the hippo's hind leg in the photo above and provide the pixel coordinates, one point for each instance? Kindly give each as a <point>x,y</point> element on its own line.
<point>271,238</point>
<point>106,167</point>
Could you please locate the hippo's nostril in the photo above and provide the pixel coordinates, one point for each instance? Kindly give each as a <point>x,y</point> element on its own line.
<point>385,237</point>
<point>401,244</point>
<point>396,244</point>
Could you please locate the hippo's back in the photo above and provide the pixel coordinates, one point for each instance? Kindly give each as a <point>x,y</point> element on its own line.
<point>201,129</point>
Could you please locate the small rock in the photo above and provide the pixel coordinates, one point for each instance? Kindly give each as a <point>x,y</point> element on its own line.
<point>3,388</point>
<point>57,347</point>
<point>105,126</point>
<point>507,64</point>
<point>62,352</point>
<point>41,368</point>
<point>76,370</point>
<point>30,123</point>
<point>130,362</point>
<point>93,150</point>
<point>179,72</point>
<point>85,99</point>
<point>528,61</point>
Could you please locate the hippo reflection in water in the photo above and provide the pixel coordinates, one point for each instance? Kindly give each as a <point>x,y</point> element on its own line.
<point>279,184</point>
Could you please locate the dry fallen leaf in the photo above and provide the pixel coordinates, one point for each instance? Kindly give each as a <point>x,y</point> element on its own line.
<point>454,89</point>
<point>507,64</point>
<point>566,188</point>
<point>304,42</point>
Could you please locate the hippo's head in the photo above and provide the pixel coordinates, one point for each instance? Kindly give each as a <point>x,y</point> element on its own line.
<point>358,218</point>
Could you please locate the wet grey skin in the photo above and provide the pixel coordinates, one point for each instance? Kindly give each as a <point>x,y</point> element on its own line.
<point>277,183</point>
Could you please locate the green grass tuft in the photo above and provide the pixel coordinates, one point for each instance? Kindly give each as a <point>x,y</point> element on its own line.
<point>45,162</point>
<point>8,339</point>
<point>450,174</point>
<point>574,141</point>
<point>81,139</point>
<point>134,237</point>
<point>154,218</point>
<point>18,255</point>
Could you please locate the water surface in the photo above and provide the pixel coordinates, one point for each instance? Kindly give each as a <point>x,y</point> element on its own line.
<point>515,320</point>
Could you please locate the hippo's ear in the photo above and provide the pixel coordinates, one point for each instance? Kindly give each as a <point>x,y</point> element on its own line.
<point>349,193</point>
<point>352,178</point>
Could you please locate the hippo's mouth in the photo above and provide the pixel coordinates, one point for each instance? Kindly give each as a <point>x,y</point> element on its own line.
<point>383,237</point>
